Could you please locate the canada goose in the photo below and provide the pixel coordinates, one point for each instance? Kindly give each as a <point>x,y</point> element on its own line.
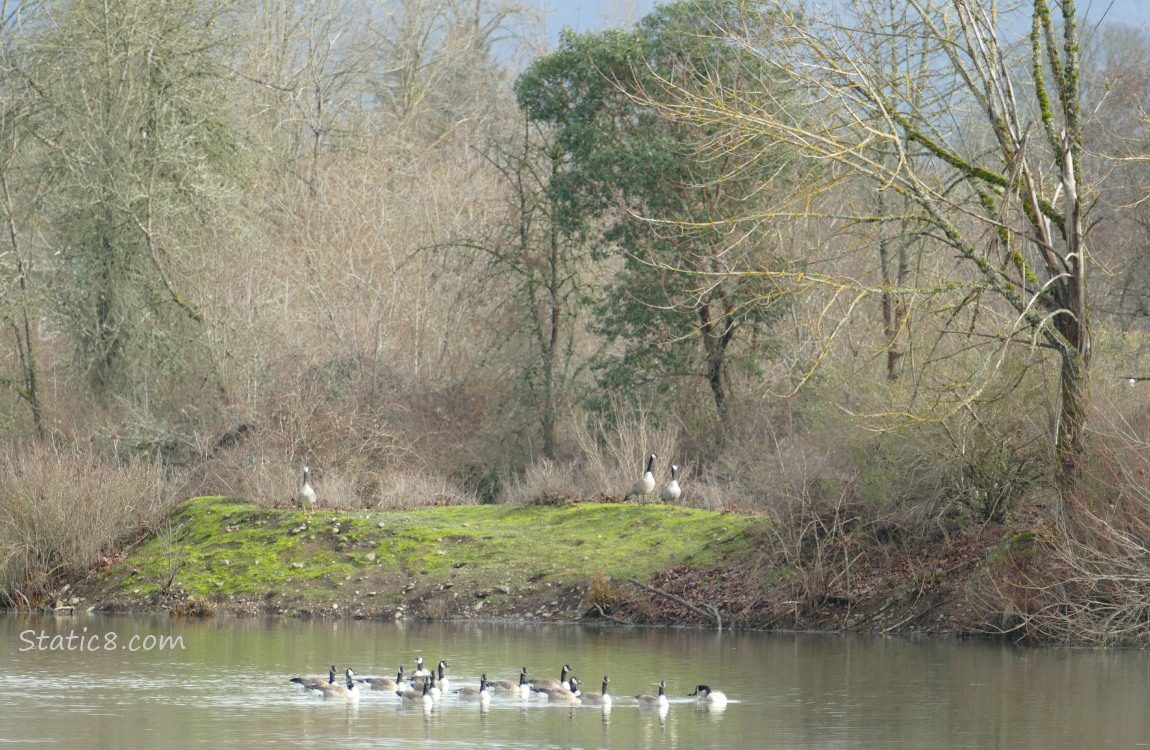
<point>542,684</point>
<point>516,689</point>
<point>384,683</point>
<point>563,695</point>
<point>337,690</point>
<point>417,696</point>
<point>704,696</point>
<point>645,484</point>
<point>307,498</point>
<point>597,699</point>
<point>419,670</point>
<point>308,682</point>
<point>481,693</point>
<point>444,683</point>
<point>441,682</point>
<point>652,701</point>
<point>671,491</point>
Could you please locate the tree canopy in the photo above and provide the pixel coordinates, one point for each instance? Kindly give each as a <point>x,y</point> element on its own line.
<point>679,203</point>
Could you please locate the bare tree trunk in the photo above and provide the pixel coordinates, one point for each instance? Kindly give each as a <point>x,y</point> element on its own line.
<point>21,324</point>
<point>551,347</point>
<point>893,307</point>
<point>717,335</point>
<point>1071,420</point>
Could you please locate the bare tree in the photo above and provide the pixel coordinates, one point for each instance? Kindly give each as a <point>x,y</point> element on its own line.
<point>131,116</point>
<point>438,69</point>
<point>14,123</point>
<point>542,267</point>
<point>984,143</point>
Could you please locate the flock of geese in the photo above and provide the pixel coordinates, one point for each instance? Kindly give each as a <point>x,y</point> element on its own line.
<point>640,490</point>
<point>426,687</point>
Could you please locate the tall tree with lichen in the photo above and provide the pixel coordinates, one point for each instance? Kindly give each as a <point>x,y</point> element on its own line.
<point>985,146</point>
<point>131,117</point>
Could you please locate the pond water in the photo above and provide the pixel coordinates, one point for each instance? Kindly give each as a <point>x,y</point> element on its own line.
<point>225,682</point>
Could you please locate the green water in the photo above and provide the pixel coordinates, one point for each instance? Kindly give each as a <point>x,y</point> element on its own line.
<point>225,682</point>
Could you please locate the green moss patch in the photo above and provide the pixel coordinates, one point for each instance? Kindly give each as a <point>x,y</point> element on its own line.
<point>373,562</point>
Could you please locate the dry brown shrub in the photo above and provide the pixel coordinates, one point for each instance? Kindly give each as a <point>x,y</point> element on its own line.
<point>601,593</point>
<point>1079,571</point>
<point>195,607</point>
<point>62,510</point>
<point>612,452</point>
<point>410,489</point>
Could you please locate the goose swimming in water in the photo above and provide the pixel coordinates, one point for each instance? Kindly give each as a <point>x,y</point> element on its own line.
<point>348,691</point>
<point>521,689</point>
<point>543,683</point>
<point>652,701</point>
<point>597,699</point>
<point>308,682</point>
<point>441,682</point>
<point>384,683</point>
<point>481,693</point>
<point>704,696</point>
<point>417,696</point>
<point>563,695</point>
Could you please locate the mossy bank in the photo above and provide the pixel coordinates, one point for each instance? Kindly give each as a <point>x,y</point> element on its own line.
<point>512,561</point>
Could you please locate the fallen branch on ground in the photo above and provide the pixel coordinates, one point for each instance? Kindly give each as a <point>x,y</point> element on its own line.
<point>714,613</point>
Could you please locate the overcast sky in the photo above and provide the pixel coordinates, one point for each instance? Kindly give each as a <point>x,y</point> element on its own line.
<point>586,15</point>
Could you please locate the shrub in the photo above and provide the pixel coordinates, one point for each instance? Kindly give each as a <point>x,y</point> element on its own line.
<point>1081,572</point>
<point>612,451</point>
<point>63,510</point>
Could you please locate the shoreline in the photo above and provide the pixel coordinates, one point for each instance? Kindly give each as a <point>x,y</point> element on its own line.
<point>619,565</point>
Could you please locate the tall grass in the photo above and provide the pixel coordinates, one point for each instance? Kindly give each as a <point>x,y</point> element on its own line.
<point>612,452</point>
<point>62,511</point>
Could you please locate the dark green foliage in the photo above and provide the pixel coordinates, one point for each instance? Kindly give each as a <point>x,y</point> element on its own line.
<point>678,202</point>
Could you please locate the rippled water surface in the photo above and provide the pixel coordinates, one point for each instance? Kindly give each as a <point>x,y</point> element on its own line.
<point>225,682</point>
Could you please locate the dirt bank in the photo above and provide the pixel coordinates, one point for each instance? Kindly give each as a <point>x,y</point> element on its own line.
<point>622,563</point>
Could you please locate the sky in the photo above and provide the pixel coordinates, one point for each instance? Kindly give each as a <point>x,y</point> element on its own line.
<point>589,15</point>
<point>1133,12</point>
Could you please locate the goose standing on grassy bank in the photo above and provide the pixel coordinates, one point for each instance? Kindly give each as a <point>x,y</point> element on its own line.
<point>645,484</point>
<point>307,497</point>
<point>309,682</point>
<point>653,701</point>
<point>671,491</point>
